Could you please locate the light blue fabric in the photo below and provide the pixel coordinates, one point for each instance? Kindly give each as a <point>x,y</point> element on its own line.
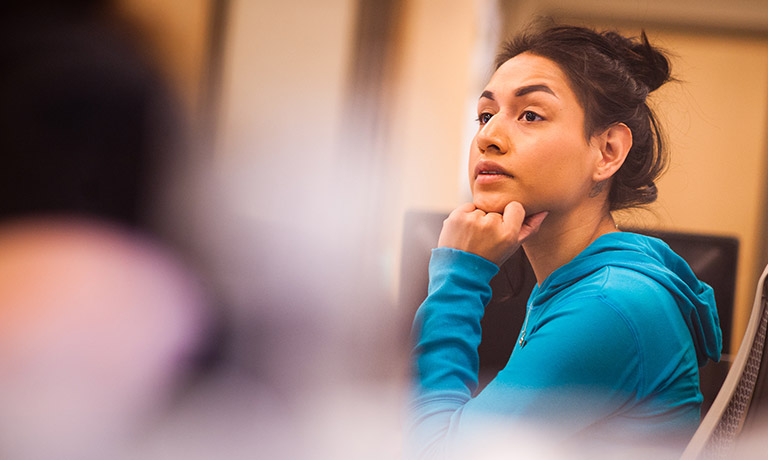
<point>611,349</point>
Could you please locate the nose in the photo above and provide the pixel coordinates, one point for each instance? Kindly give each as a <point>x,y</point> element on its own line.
<point>491,138</point>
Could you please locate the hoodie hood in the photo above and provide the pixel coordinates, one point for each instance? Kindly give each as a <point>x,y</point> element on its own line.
<point>653,258</point>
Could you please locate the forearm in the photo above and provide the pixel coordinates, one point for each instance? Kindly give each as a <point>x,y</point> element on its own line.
<point>446,336</point>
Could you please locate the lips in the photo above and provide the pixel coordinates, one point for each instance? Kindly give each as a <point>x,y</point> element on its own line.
<point>489,169</point>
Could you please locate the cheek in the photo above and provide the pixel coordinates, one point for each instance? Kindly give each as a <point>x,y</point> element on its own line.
<point>474,154</point>
<point>565,152</point>
<point>572,168</point>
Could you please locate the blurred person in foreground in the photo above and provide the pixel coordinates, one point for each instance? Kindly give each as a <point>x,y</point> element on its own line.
<point>101,322</point>
<point>99,327</point>
<point>617,326</point>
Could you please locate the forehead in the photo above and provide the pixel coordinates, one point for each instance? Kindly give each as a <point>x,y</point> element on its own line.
<point>527,69</point>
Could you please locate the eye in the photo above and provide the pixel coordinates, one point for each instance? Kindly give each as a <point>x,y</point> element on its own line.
<point>484,118</point>
<point>530,116</point>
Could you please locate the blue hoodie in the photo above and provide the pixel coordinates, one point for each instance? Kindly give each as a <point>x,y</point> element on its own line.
<point>609,350</point>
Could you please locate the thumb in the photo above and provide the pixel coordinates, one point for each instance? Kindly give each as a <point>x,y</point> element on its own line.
<point>531,225</point>
<point>513,217</point>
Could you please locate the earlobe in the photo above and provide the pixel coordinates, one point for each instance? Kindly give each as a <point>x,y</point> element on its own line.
<point>615,143</point>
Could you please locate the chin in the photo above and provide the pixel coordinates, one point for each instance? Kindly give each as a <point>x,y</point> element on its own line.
<point>490,205</point>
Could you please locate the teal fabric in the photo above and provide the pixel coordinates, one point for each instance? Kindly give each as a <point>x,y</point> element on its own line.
<point>611,350</point>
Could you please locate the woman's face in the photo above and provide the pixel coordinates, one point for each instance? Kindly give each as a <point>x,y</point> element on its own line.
<point>530,145</point>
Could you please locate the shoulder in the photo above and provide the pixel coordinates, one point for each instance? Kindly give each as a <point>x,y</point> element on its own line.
<point>615,293</point>
<point>587,317</point>
<point>611,288</point>
<point>641,300</point>
<point>619,305</point>
<point>647,309</point>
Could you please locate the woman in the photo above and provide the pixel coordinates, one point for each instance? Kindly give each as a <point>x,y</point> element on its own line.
<point>617,324</point>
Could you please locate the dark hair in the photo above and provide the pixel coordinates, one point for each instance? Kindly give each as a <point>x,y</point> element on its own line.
<point>612,76</point>
<point>86,120</point>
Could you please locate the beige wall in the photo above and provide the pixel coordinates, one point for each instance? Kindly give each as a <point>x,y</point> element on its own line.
<point>430,116</point>
<point>282,98</point>
<point>283,77</point>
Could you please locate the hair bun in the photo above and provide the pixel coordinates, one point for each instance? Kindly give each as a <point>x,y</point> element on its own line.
<point>647,64</point>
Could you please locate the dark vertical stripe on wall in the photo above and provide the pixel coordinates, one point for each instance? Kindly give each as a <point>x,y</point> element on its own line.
<point>363,173</point>
<point>214,61</point>
<point>372,59</point>
<point>372,65</point>
<point>367,115</point>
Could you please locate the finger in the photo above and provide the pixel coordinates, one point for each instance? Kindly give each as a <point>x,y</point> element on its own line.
<point>531,225</point>
<point>463,209</point>
<point>513,216</point>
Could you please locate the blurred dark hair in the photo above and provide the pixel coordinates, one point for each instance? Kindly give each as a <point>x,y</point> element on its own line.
<point>85,118</point>
<point>612,76</point>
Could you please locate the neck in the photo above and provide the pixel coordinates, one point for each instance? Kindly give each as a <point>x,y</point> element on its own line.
<point>561,238</point>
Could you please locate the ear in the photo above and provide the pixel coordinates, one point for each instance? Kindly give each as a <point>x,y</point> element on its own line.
<point>613,145</point>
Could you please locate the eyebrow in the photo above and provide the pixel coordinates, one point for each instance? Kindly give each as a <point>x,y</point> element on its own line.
<point>522,91</point>
<point>487,95</point>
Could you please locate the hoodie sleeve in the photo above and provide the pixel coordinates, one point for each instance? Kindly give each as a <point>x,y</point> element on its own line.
<point>446,334</point>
